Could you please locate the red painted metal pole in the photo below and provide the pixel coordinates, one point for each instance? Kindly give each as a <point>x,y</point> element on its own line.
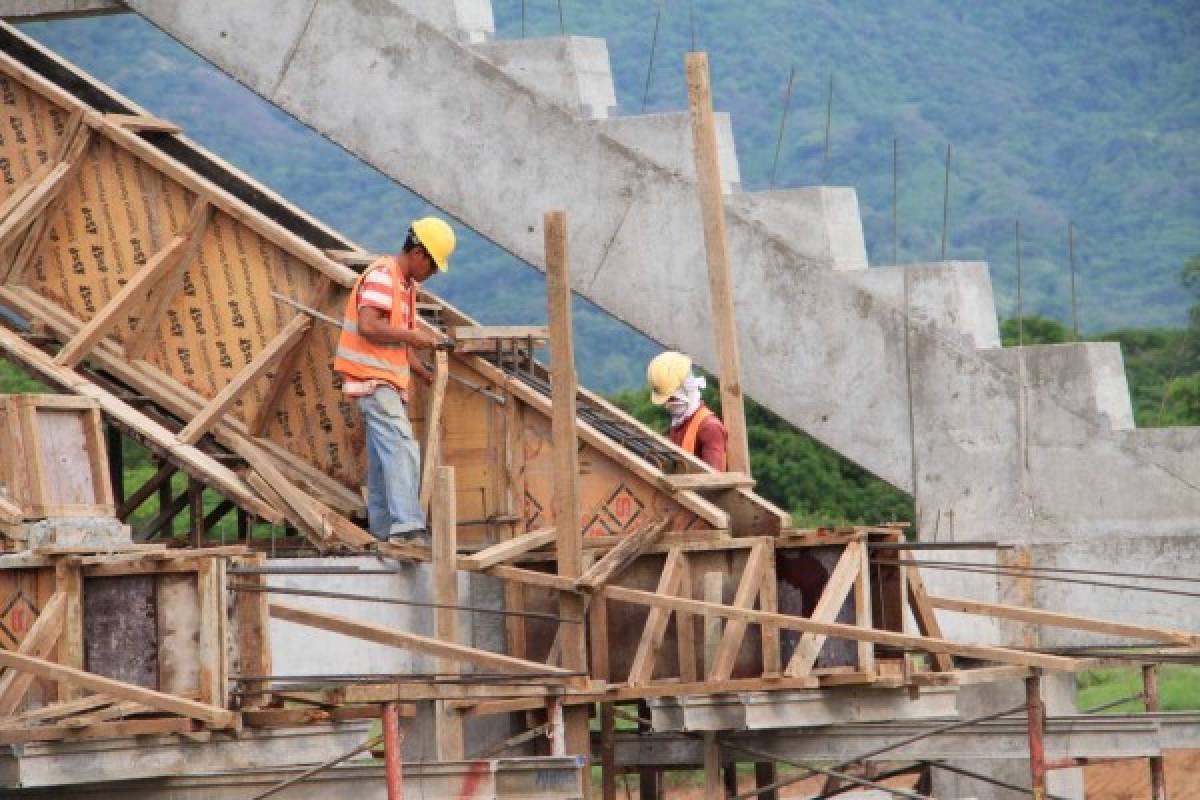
<point>1158,776</point>
<point>391,751</point>
<point>1036,715</point>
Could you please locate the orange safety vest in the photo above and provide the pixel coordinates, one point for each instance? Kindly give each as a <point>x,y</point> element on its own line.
<point>693,429</point>
<point>363,360</point>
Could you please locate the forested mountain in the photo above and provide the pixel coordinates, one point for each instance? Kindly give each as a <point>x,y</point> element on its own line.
<point>1070,110</point>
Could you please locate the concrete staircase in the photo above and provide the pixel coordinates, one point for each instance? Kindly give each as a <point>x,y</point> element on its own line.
<point>898,369</point>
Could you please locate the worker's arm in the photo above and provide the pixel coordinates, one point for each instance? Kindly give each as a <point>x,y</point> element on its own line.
<point>421,371</point>
<point>373,325</point>
<point>711,444</point>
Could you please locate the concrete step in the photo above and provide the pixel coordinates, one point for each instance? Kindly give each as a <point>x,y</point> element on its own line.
<point>573,71</point>
<point>819,222</point>
<point>469,21</point>
<point>666,139</point>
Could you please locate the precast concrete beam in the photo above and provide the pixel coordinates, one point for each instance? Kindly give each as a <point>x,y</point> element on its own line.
<point>1133,736</point>
<point>807,709</point>
<point>666,139</point>
<point>21,10</point>
<point>544,778</point>
<point>818,222</point>
<point>86,761</point>
<point>573,71</point>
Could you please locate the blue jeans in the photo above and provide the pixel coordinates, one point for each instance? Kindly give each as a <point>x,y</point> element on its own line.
<point>393,465</point>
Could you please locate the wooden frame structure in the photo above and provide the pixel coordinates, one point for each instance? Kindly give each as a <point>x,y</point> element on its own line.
<point>145,264</point>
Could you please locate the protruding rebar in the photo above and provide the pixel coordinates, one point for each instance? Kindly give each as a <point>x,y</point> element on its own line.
<point>1074,296</point>
<point>946,205</point>
<point>650,66</point>
<point>828,125</point>
<point>895,198</point>
<point>787,102</point>
<point>1020,296</point>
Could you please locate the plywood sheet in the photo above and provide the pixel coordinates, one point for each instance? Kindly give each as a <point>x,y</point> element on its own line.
<point>120,628</point>
<point>178,633</point>
<point>66,462</point>
<point>23,595</point>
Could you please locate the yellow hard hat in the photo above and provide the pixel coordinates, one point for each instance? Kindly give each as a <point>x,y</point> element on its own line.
<point>666,373</point>
<point>437,237</point>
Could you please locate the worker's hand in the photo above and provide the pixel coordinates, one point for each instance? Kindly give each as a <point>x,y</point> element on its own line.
<point>422,371</point>
<point>422,340</point>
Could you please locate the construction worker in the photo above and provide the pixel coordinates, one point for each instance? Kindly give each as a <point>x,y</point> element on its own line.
<point>694,426</point>
<point>375,364</point>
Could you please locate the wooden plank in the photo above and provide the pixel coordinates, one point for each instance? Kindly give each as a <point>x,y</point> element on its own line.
<point>32,204</point>
<point>253,619</point>
<point>277,349</point>
<point>450,743</point>
<point>393,637</point>
<point>219,476</point>
<point>685,626</point>
<point>716,249</point>
<point>508,549</point>
<point>41,638</point>
<point>969,677</point>
<point>641,670</point>
<point>433,427</point>
<point>469,333</point>
<point>115,711</point>
<point>210,647</point>
<point>706,481</point>
<point>105,730</point>
<point>768,600</point>
<point>1057,619</point>
<point>922,609</point>
<point>115,310</point>
<point>837,588</point>
<point>863,616</point>
<point>625,553</point>
<point>216,717</point>
<point>565,460</point>
<point>735,630</point>
<point>167,290</point>
<point>287,365</point>
<point>141,123</point>
<point>68,579</point>
<point>56,711</point>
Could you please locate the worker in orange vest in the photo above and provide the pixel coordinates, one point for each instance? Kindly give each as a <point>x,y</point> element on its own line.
<point>375,365</point>
<point>694,426</point>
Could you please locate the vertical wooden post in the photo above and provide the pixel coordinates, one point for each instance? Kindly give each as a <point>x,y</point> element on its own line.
<point>713,788</point>
<point>449,723</point>
<point>116,462</point>
<point>254,631</point>
<point>391,751</point>
<point>195,512</point>
<point>1158,777</point>
<point>712,211</point>
<point>766,774</point>
<point>566,468</point>
<point>598,636</point>
<point>1035,714</point>
<point>68,579</point>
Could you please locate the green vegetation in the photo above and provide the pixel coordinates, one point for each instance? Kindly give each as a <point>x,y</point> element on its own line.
<point>1178,688</point>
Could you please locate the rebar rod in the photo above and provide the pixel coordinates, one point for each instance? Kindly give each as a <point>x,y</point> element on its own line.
<point>787,102</point>
<point>1069,570</point>
<point>279,787</point>
<point>650,66</point>
<point>1013,573</point>
<point>366,598</point>
<point>987,779</point>
<point>946,206</point>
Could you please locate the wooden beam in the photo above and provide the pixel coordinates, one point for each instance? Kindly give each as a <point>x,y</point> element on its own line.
<point>863,615</point>
<point>922,609</point>
<point>100,730</point>
<point>706,481</point>
<point>565,461</point>
<point>625,553</point>
<point>433,427</point>
<point>131,294</point>
<point>508,549</point>
<point>393,637</point>
<point>735,630</point>
<point>141,123</point>
<point>685,627</point>
<point>278,348</point>
<point>287,365</point>
<point>253,619</point>
<point>641,670</point>
<point>471,333</point>
<point>167,290</point>
<point>216,717</point>
<point>38,642</point>
<point>56,711</point>
<point>39,197</point>
<point>1057,619</point>
<point>837,588</point>
<point>448,726</point>
<point>716,248</point>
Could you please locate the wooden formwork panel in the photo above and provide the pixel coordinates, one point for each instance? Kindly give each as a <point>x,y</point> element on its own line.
<point>23,595</point>
<point>52,456</point>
